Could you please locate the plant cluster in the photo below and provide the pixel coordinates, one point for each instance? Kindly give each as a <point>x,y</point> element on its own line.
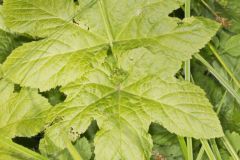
<point>119,80</point>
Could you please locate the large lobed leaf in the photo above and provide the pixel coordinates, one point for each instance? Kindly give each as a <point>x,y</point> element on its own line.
<point>116,61</point>
<point>2,25</point>
<point>22,114</point>
<point>9,40</point>
<point>73,49</point>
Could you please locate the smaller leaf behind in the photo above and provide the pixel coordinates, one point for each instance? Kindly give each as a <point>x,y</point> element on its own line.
<point>22,114</point>
<point>53,152</point>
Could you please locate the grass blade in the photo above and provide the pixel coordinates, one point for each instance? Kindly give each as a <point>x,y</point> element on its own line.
<point>215,149</point>
<point>230,148</point>
<point>208,149</point>
<point>187,70</point>
<point>222,80</point>
<point>200,154</point>
<point>224,65</point>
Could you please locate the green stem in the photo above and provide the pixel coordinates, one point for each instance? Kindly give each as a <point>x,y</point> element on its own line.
<point>217,55</point>
<point>222,80</point>
<point>187,8</point>
<point>228,88</point>
<point>230,148</point>
<point>215,149</point>
<point>183,146</point>
<point>20,149</point>
<point>187,70</point>
<point>200,154</point>
<point>225,139</point>
<point>209,8</point>
<point>220,105</point>
<point>72,150</point>
<point>230,73</point>
<point>208,149</point>
<point>189,148</point>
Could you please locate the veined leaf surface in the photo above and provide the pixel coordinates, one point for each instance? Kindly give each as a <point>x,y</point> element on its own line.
<point>22,114</point>
<point>125,102</point>
<point>74,49</point>
<point>116,61</point>
<point>2,25</point>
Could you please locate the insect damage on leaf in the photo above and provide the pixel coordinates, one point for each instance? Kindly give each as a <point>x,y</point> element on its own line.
<point>118,75</point>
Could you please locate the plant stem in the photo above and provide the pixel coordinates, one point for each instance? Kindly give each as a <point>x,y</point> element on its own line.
<point>187,8</point>
<point>209,8</point>
<point>189,148</point>
<point>72,150</point>
<point>222,80</point>
<point>187,70</point>
<point>215,149</point>
<point>230,148</point>
<point>230,73</point>
<point>220,105</point>
<point>208,149</point>
<point>229,88</point>
<point>183,146</point>
<point>225,139</point>
<point>200,153</point>
<point>20,149</point>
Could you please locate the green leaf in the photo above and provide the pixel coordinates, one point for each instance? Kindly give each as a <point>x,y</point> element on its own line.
<point>165,143</point>
<point>230,9</point>
<point>232,46</point>
<point>84,148</point>
<point>230,114</point>
<point>125,110</point>
<point>12,151</point>
<point>48,149</point>
<point>116,61</point>
<point>2,25</point>
<point>54,96</point>
<point>234,139</point>
<point>22,114</point>
<point>213,88</point>
<point>65,57</point>
<point>7,44</point>
<point>37,17</point>
<point>10,41</point>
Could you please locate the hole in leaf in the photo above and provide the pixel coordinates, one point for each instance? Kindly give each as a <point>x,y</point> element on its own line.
<point>17,88</point>
<point>76,2</point>
<point>31,143</point>
<point>179,13</point>
<point>54,96</point>
<point>91,131</point>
